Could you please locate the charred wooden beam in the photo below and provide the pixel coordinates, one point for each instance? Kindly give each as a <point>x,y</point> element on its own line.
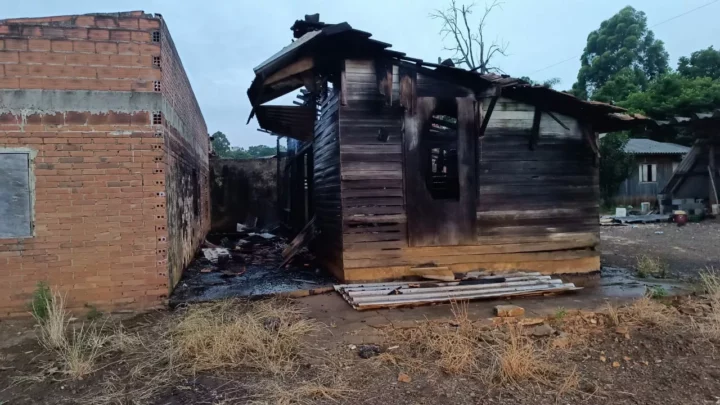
<point>299,67</point>
<point>486,119</point>
<point>562,124</point>
<point>535,131</point>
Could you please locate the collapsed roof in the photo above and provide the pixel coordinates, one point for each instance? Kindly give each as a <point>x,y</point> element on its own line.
<point>319,44</point>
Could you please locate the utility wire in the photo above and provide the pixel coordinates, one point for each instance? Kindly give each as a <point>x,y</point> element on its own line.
<point>653,26</point>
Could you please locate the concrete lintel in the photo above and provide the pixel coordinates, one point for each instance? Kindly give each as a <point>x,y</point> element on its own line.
<point>79,100</point>
<point>26,102</point>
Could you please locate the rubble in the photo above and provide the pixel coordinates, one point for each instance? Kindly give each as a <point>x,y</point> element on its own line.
<point>368,351</point>
<point>543,331</point>
<point>505,311</point>
<point>404,378</point>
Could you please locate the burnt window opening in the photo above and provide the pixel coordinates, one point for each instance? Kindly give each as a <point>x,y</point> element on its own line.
<point>439,148</point>
<point>156,36</point>
<point>156,61</point>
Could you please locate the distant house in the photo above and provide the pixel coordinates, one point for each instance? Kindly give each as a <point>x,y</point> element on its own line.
<point>655,164</point>
<point>697,178</point>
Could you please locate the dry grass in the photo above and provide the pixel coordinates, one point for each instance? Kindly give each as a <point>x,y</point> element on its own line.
<point>516,359</point>
<point>460,347</point>
<point>263,336</point>
<point>79,355</point>
<point>302,393</point>
<point>613,314</point>
<point>651,266</point>
<point>710,326</point>
<point>453,345</point>
<point>260,336</point>
<point>53,326</point>
<point>77,350</point>
<point>649,312</point>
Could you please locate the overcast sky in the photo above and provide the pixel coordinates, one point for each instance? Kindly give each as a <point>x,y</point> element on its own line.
<point>220,41</point>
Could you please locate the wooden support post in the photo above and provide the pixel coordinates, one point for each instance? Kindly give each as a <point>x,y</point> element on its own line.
<point>711,173</point>
<point>535,132</point>
<point>277,180</point>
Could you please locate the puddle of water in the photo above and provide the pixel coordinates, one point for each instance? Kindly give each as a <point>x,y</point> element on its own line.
<point>616,282</point>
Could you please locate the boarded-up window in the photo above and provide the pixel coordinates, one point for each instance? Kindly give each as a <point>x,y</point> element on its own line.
<point>15,197</point>
<point>648,173</point>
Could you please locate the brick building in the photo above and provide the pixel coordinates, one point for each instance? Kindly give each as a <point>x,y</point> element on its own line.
<point>103,161</point>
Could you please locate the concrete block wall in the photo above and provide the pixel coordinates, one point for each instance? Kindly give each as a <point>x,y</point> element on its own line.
<point>85,95</point>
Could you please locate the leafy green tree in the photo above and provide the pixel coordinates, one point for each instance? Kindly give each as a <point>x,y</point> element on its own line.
<point>615,164</point>
<point>220,144</point>
<point>622,42</point>
<point>620,86</point>
<point>674,94</point>
<point>702,63</point>
<point>549,83</point>
<point>261,151</point>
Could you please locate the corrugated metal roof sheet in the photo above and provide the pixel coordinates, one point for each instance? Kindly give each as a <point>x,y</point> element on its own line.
<point>293,121</point>
<point>638,146</point>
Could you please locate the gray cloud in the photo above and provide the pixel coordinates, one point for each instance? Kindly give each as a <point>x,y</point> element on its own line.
<point>220,41</point>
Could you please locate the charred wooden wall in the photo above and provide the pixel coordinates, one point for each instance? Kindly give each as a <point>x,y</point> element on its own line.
<point>328,245</point>
<point>536,204</point>
<point>544,195</point>
<point>372,166</point>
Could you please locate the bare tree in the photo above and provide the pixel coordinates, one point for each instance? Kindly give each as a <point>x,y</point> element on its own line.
<point>469,47</point>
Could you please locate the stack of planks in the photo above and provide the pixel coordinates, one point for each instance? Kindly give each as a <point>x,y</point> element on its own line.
<point>474,286</point>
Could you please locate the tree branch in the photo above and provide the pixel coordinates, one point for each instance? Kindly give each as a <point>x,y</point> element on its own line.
<point>456,21</point>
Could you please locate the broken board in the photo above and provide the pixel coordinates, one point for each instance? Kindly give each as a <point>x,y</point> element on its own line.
<point>306,235</point>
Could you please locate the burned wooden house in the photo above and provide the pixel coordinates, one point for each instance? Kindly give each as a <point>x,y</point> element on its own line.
<point>404,163</point>
<point>696,182</point>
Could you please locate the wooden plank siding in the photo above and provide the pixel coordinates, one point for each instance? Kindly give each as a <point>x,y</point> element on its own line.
<point>326,182</point>
<point>553,188</point>
<point>535,209</point>
<point>372,169</point>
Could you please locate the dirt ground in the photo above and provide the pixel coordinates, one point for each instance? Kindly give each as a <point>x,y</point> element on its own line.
<point>581,348</point>
<point>687,249</point>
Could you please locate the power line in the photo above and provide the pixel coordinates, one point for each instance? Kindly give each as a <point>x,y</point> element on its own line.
<point>653,26</point>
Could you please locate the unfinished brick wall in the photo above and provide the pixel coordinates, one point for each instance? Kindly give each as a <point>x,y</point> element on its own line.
<point>81,93</point>
<point>187,175</point>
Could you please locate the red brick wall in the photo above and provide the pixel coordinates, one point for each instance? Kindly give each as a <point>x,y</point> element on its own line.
<point>188,146</point>
<point>97,53</point>
<point>101,216</point>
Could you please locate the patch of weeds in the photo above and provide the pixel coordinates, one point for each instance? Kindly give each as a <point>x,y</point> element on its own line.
<point>516,359</point>
<point>50,314</point>
<point>613,315</point>
<point>560,313</point>
<point>264,336</point>
<point>648,266</point>
<point>657,292</point>
<point>92,314</point>
<point>649,311</point>
<point>710,284</point>
<point>41,300</point>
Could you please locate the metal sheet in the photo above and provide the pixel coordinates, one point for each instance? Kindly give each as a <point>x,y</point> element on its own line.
<point>379,295</point>
<point>15,201</point>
